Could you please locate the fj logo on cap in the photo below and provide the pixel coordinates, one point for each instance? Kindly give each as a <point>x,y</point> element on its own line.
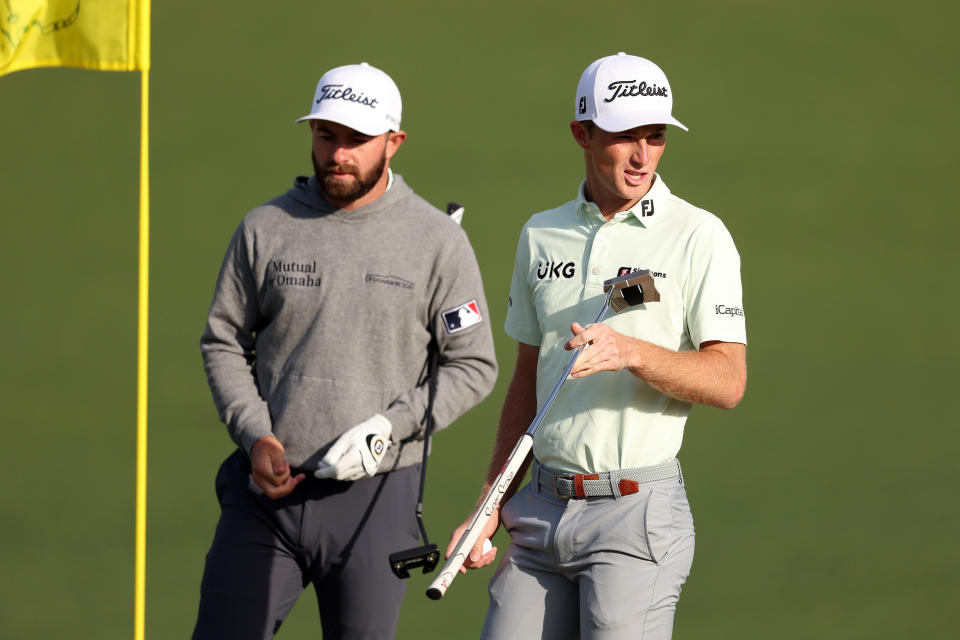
<point>462,317</point>
<point>583,104</point>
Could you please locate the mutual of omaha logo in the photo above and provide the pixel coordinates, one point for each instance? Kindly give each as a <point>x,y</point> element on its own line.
<point>281,273</point>
<point>462,317</point>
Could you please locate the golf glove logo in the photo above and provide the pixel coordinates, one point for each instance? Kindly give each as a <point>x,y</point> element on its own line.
<point>358,452</point>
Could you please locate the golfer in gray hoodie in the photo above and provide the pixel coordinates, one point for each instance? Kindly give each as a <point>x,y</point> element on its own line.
<point>328,304</point>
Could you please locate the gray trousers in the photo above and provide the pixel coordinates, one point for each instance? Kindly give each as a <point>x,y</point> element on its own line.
<point>595,568</point>
<point>335,535</point>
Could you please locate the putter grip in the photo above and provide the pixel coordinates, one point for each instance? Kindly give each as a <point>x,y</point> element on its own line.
<point>469,538</point>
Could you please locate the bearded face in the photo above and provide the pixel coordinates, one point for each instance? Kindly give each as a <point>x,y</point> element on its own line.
<point>337,189</point>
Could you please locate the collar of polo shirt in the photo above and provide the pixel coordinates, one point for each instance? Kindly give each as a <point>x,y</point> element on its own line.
<point>644,211</point>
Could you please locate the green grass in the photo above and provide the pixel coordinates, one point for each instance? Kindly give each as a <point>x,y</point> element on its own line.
<point>821,132</point>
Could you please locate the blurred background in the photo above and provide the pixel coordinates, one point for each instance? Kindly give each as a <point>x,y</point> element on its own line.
<point>822,133</point>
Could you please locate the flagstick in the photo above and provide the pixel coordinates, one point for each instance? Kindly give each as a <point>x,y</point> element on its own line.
<point>142,334</point>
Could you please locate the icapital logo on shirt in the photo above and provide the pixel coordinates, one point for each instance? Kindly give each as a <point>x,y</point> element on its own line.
<point>723,310</point>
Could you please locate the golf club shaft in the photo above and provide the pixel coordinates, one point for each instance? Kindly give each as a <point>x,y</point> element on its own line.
<point>469,538</point>
<point>563,377</point>
<point>501,483</point>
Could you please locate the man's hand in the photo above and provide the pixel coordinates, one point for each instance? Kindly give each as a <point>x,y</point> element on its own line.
<point>358,452</point>
<point>715,375</point>
<point>478,556</point>
<point>270,469</point>
<point>605,350</point>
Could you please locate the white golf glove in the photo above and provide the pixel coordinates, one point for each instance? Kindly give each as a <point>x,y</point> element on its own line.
<point>358,452</point>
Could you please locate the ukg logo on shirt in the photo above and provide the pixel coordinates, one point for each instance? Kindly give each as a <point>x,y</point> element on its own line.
<point>554,269</point>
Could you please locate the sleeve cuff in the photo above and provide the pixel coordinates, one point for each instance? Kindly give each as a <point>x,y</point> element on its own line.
<point>248,439</point>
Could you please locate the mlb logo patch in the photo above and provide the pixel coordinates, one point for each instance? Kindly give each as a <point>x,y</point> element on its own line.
<point>462,317</point>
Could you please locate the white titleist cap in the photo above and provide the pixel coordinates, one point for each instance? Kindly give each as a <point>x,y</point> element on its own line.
<point>622,92</point>
<point>358,96</point>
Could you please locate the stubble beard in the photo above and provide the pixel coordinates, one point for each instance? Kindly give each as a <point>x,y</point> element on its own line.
<point>347,191</point>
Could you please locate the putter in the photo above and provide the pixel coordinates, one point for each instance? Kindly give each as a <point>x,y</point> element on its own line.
<point>428,555</point>
<point>623,291</point>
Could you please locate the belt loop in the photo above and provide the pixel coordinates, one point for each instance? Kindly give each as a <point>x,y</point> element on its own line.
<point>614,478</point>
<point>578,489</point>
<point>535,474</point>
<point>556,490</point>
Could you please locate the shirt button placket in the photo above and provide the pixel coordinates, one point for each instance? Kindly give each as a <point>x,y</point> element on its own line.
<point>598,256</point>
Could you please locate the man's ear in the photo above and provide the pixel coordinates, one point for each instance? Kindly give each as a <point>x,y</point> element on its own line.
<point>580,134</point>
<point>394,140</point>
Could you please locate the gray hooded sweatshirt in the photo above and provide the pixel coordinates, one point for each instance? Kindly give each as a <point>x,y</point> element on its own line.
<point>322,318</point>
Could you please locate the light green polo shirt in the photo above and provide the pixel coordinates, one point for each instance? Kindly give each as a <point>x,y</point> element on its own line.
<point>614,420</point>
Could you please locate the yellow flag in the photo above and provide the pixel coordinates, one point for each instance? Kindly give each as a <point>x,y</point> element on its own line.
<point>109,35</point>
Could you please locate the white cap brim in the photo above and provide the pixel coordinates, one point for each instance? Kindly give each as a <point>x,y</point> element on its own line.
<point>347,120</point>
<point>614,123</point>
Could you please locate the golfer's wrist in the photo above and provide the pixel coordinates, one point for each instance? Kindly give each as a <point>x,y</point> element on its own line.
<point>263,441</point>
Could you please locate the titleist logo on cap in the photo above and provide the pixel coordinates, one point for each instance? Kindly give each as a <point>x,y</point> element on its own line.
<point>337,92</point>
<point>630,88</point>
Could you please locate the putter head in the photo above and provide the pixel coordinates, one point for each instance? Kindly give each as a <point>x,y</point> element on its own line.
<point>401,562</point>
<point>631,289</point>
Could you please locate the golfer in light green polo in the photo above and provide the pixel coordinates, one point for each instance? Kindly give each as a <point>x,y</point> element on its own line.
<point>602,538</point>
